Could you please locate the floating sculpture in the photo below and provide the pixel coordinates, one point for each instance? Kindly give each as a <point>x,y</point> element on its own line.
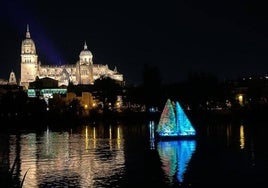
<point>174,123</point>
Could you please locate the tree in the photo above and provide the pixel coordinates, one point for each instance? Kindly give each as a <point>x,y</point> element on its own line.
<point>152,86</point>
<point>107,90</point>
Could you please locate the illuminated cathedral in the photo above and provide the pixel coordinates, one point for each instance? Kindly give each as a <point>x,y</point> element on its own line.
<point>82,72</point>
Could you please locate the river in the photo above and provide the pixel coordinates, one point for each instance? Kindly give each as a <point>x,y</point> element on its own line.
<point>125,154</point>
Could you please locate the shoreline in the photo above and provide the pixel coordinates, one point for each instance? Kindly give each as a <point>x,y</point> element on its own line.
<point>197,116</point>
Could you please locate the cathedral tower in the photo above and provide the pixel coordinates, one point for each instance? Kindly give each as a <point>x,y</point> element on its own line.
<point>29,61</point>
<point>85,67</point>
<point>83,72</point>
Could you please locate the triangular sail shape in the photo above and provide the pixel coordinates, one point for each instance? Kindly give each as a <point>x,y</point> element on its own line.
<point>174,122</point>
<point>167,123</point>
<point>184,125</point>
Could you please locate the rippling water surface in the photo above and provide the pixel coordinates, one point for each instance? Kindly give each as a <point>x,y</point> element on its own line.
<point>125,154</point>
<point>88,157</point>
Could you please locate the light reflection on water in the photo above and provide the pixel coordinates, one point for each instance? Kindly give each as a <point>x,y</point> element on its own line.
<point>119,155</point>
<point>175,156</point>
<point>85,159</point>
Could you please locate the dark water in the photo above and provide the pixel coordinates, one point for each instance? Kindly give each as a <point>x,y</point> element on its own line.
<point>225,154</point>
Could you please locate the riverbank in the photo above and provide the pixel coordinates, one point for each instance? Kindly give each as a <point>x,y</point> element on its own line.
<point>33,121</point>
<point>41,120</point>
<point>257,115</point>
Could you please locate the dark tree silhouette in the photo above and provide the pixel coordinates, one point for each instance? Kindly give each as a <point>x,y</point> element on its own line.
<point>108,90</point>
<point>152,87</point>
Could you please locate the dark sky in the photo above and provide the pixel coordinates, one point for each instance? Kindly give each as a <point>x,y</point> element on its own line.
<point>228,38</point>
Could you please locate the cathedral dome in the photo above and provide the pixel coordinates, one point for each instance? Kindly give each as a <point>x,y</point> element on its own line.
<point>86,52</point>
<point>28,45</point>
<point>28,42</point>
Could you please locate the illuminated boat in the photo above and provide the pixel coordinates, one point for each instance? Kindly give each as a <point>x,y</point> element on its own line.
<point>174,123</point>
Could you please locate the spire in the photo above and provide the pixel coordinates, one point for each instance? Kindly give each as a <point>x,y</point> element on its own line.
<point>28,32</point>
<point>85,46</point>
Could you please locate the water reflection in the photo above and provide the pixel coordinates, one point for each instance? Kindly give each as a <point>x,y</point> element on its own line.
<point>151,132</point>
<point>127,155</point>
<point>242,137</point>
<point>175,156</point>
<point>87,158</point>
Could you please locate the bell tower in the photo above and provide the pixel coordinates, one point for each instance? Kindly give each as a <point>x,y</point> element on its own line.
<point>29,61</point>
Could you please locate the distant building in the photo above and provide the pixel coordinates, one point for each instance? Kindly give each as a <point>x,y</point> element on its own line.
<point>45,88</point>
<point>11,81</point>
<point>82,72</point>
<point>9,85</point>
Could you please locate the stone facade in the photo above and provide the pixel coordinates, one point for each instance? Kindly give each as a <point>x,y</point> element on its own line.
<point>82,72</point>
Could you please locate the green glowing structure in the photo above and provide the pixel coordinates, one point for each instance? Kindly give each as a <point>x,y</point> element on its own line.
<point>174,123</point>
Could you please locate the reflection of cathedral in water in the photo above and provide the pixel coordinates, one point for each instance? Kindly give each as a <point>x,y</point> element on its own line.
<point>69,159</point>
<point>82,72</point>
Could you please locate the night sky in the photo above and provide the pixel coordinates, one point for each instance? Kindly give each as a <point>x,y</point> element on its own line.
<point>226,38</point>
